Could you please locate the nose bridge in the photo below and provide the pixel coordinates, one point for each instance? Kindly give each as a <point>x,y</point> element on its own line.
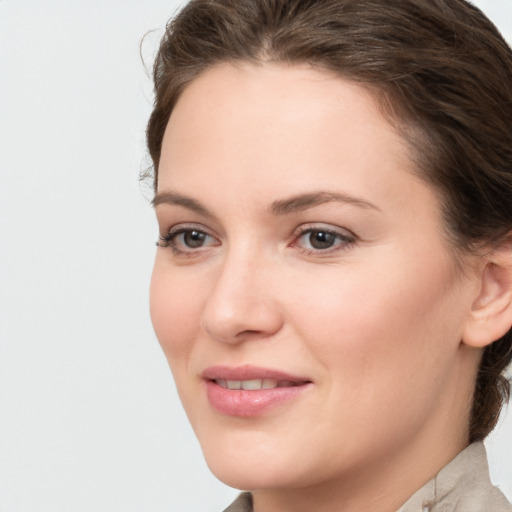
<point>241,304</point>
<point>235,279</point>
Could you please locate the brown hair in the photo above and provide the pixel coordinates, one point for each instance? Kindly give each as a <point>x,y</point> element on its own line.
<point>442,73</point>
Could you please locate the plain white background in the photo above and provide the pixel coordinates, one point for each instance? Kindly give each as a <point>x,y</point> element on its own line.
<point>89,419</point>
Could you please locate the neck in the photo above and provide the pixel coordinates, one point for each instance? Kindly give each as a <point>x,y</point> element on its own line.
<point>383,485</point>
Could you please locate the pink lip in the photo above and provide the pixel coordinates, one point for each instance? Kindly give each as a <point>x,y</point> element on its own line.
<point>249,403</point>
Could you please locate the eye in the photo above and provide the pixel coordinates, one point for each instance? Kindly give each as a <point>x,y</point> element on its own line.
<point>323,240</point>
<point>185,240</point>
<point>320,239</point>
<point>191,239</point>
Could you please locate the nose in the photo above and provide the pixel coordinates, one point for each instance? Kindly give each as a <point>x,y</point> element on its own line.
<point>242,304</point>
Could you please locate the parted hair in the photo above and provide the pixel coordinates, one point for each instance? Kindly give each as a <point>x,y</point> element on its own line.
<point>442,74</point>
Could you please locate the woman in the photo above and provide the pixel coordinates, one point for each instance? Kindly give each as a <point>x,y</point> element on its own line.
<point>333,281</point>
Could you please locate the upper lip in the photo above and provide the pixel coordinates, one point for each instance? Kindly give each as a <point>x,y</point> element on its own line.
<point>248,372</point>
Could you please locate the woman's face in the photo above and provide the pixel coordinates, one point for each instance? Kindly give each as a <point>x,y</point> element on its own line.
<point>301,260</point>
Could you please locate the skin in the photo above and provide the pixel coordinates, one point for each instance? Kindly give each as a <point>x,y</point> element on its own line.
<point>375,322</point>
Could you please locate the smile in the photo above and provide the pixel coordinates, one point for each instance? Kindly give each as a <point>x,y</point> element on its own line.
<point>248,391</point>
<point>256,384</point>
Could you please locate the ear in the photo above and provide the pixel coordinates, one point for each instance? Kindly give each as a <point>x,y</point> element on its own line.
<point>490,317</point>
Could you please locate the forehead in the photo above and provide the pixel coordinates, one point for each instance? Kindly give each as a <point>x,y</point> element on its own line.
<point>277,119</point>
<point>298,95</point>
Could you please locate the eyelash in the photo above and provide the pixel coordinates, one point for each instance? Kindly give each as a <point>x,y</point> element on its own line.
<point>169,239</point>
<point>342,240</point>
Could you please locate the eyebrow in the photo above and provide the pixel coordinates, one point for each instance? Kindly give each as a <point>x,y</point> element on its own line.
<point>293,204</point>
<point>180,200</point>
<point>304,201</point>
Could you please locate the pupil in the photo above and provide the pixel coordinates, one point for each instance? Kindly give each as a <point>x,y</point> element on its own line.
<point>194,238</point>
<point>321,239</point>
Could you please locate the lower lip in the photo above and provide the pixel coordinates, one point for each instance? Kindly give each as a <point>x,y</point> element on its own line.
<point>248,403</point>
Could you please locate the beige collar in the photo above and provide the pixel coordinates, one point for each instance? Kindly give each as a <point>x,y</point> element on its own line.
<point>462,485</point>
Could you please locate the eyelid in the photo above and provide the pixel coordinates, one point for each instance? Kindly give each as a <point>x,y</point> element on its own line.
<point>322,226</point>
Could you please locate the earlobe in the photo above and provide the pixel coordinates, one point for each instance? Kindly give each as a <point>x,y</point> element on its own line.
<point>490,317</point>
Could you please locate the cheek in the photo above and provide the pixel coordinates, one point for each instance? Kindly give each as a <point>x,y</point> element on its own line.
<point>381,327</point>
<point>175,306</point>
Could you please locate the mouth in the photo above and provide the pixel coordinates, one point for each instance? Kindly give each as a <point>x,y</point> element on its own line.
<point>251,377</point>
<point>248,391</point>
<point>256,384</point>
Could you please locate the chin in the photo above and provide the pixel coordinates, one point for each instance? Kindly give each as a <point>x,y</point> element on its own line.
<point>247,476</point>
<point>251,462</point>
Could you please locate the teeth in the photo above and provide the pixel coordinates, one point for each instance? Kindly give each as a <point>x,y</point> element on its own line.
<point>269,384</point>
<point>234,384</point>
<point>252,384</point>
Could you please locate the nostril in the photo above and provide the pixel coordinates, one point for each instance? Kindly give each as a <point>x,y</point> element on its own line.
<point>251,333</point>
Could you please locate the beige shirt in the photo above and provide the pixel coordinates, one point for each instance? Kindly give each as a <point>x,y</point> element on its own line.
<point>461,486</point>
